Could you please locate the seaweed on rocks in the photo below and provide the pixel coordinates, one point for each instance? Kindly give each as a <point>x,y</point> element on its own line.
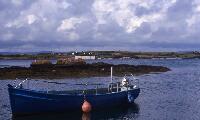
<point>56,71</point>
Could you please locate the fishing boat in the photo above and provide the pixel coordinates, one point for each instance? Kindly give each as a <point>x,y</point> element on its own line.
<point>26,101</point>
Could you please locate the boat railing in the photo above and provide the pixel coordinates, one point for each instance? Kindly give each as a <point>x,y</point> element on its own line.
<point>115,86</point>
<point>25,84</point>
<point>20,84</point>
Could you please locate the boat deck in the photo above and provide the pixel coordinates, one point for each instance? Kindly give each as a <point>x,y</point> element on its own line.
<point>78,92</point>
<point>88,91</point>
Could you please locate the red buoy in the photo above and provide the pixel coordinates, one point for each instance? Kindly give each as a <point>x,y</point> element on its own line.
<point>86,107</point>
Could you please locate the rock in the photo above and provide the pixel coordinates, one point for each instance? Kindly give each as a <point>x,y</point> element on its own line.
<point>55,71</point>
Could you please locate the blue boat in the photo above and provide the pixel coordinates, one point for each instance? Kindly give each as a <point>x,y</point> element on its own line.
<point>26,101</point>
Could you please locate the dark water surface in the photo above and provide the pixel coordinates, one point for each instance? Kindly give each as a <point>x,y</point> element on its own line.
<point>174,95</point>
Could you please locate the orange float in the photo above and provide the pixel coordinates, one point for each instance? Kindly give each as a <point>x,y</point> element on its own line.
<point>86,107</point>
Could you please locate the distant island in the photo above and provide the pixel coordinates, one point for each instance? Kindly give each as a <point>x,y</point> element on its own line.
<point>69,65</point>
<point>102,55</point>
<point>47,70</point>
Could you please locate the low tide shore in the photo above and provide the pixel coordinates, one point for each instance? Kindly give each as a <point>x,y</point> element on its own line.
<point>53,71</point>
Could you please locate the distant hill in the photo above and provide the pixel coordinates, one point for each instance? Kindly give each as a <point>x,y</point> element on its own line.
<point>29,53</point>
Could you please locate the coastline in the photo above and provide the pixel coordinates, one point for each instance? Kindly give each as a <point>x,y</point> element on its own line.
<point>102,55</point>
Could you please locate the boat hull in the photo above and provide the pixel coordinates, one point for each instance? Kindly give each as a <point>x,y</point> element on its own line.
<point>24,101</point>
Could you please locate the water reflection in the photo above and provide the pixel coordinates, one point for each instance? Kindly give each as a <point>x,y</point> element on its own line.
<point>121,112</point>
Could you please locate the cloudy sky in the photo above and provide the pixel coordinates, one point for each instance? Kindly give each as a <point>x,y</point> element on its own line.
<point>64,25</point>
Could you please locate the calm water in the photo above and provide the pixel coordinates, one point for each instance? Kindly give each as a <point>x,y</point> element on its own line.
<point>173,95</point>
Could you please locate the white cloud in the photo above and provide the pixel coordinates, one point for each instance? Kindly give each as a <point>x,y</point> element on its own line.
<point>123,12</point>
<point>17,2</point>
<point>15,23</point>
<point>64,5</point>
<point>70,23</point>
<point>191,21</point>
<point>22,21</point>
<point>98,22</point>
<point>31,18</point>
<point>194,17</point>
<point>42,10</point>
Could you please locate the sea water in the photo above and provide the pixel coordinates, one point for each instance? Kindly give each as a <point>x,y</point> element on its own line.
<point>172,95</point>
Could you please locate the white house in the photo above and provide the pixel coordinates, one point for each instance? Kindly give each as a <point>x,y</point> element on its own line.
<point>85,57</point>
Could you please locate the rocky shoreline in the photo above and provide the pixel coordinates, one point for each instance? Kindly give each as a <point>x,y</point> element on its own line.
<point>54,71</point>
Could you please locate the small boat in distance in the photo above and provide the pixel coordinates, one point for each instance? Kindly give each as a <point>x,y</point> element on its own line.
<point>26,101</point>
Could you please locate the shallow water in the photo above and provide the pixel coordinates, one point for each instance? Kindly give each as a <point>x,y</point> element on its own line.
<point>166,96</point>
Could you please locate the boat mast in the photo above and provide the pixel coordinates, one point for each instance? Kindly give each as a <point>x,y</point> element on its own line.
<point>111,74</point>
